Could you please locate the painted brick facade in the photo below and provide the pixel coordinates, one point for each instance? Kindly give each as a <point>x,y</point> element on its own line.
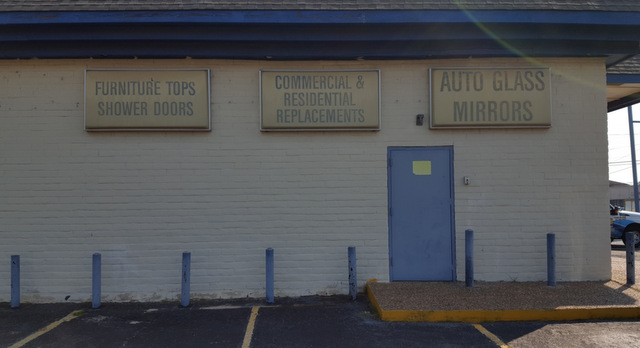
<point>142,198</point>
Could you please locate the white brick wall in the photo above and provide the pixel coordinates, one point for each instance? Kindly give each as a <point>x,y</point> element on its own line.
<point>141,199</point>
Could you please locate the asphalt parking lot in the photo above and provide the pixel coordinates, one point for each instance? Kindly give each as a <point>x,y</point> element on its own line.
<point>298,322</point>
<point>303,322</point>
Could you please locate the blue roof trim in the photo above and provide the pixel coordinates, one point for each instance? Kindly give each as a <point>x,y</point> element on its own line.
<point>627,78</point>
<point>290,35</point>
<point>320,17</point>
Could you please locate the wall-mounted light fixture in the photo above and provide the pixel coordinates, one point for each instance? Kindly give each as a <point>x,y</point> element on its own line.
<point>419,120</point>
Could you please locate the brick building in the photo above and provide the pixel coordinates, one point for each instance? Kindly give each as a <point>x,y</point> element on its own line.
<point>140,130</point>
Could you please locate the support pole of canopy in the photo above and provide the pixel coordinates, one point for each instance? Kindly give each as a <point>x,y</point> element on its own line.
<point>633,160</point>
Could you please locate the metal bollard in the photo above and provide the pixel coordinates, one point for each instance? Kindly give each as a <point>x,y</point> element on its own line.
<point>269,273</point>
<point>631,258</point>
<point>96,281</point>
<point>15,281</point>
<point>353,275</point>
<point>186,279</point>
<point>468,259</point>
<point>551,259</point>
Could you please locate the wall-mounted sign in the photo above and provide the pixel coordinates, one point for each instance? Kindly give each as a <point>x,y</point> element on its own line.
<point>319,100</point>
<point>490,97</point>
<point>147,100</point>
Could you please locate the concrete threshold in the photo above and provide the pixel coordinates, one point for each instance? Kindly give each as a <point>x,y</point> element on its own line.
<point>503,301</point>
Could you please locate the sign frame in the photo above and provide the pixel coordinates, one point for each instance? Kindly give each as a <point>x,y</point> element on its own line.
<point>496,126</point>
<point>203,128</point>
<point>321,129</point>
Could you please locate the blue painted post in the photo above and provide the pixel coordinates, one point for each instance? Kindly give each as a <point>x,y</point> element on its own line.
<point>353,275</point>
<point>551,259</point>
<point>269,271</point>
<point>15,281</point>
<point>634,170</point>
<point>468,261</point>
<point>186,279</point>
<point>96,280</point>
<point>631,258</point>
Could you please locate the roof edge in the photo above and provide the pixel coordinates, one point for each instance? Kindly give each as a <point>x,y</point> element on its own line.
<point>322,17</point>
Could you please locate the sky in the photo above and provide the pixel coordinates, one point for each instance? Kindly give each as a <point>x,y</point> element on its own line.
<point>620,169</point>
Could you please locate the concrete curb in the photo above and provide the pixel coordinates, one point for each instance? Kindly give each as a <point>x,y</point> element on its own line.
<point>476,316</point>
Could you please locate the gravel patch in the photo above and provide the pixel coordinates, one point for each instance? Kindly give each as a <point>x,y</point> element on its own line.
<point>447,296</point>
<point>434,296</point>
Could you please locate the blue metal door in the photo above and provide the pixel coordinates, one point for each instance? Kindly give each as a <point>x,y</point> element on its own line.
<point>421,228</point>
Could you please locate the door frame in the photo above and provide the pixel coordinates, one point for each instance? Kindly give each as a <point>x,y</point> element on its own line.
<point>452,208</point>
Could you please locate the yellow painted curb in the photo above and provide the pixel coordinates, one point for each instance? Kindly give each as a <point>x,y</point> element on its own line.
<point>477,316</point>
<point>372,297</point>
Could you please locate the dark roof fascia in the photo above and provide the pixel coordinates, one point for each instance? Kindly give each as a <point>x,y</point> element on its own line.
<point>320,17</point>
<point>621,103</point>
<point>287,35</point>
<point>171,5</point>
